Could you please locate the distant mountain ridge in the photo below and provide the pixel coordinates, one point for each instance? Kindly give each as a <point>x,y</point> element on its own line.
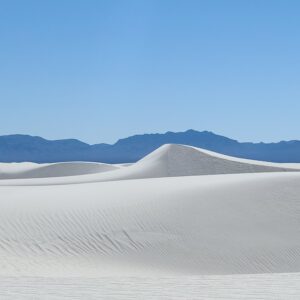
<point>20,148</point>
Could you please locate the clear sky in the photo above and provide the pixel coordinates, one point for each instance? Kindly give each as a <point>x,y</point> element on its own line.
<point>98,70</point>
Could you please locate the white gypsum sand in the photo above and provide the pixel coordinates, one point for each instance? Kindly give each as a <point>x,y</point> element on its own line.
<point>179,213</point>
<point>33,170</point>
<point>166,161</point>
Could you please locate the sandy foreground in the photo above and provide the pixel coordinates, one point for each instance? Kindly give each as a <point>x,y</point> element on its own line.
<point>182,223</point>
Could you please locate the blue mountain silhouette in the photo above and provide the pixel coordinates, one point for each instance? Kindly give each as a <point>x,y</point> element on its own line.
<point>19,148</point>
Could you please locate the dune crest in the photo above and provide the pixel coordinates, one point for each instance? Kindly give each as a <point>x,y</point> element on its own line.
<point>167,161</point>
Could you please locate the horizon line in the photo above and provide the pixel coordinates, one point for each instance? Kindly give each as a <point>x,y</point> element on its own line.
<point>147,133</point>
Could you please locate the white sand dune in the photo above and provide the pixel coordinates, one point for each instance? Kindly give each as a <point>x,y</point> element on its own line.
<point>224,224</point>
<point>166,161</point>
<point>184,212</point>
<point>33,170</point>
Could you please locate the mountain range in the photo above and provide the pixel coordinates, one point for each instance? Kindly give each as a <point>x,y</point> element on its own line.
<point>20,148</point>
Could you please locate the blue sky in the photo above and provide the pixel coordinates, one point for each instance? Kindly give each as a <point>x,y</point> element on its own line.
<point>100,70</point>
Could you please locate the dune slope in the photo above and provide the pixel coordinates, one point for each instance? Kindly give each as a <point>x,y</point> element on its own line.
<point>223,224</point>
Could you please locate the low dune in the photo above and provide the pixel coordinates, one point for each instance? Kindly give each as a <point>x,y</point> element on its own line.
<point>33,170</point>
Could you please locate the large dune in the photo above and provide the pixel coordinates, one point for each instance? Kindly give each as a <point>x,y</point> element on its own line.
<point>166,161</point>
<point>180,211</point>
